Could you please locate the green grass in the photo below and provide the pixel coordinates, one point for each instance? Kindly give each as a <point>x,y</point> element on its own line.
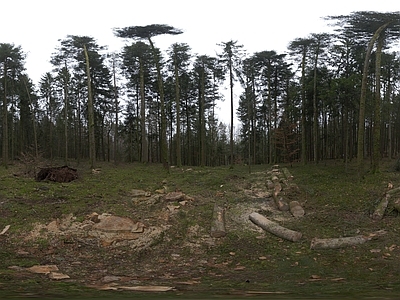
<point>336,202</point>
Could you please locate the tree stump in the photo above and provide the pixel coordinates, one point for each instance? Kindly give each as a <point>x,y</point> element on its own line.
<point>275,228</point>
<point>218,222</point>
<point>295,209</point>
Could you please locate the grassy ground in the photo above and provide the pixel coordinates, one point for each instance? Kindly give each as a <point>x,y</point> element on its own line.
<point>336,202</point>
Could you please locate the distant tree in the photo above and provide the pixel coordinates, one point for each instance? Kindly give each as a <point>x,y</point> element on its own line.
<point>300,47</point>
<point>148,32</point>
<point>52,106</point>
<point>180,56</point>
<point>136,62</point>
<point>231,57</point>
<point>11,66</point>
<point>318,45</point>
<point>374,27</point>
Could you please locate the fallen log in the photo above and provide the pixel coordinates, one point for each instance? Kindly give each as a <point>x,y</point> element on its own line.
<point>218,222</point>
<point>393,191</point>
<point>335,243</point>
<point>287,174</point>
<point>396,204</point>
<point>275,228</point>
<point>381,208</point>
<point>296,209</point>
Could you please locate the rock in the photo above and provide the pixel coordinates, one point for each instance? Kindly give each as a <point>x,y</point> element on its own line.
<point>174,196</point>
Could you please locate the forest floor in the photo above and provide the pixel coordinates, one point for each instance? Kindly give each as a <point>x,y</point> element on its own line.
<point>55,246</point>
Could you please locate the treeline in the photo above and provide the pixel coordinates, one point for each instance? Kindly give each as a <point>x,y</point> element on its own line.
<point>329,96</point>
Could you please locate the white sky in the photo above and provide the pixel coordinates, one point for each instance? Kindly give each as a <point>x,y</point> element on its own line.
<point>37,25</point>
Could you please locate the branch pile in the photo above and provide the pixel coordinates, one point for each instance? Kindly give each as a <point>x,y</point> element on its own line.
<point>57,174</point>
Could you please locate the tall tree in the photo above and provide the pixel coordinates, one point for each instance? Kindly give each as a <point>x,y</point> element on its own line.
<point>92,142</point>
<point>148,32</point>
<point>376,28</point>
<point>318,45</point>
<point>180,56</point>
<point>136,63</point>
<point>12,64</point>
<point>301,47</point>
<point>231,57</point>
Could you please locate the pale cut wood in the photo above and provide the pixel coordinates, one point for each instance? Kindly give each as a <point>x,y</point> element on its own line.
<point>275,228</point>
<point>296,209</point>
<point>218,222</point>
<point>335,243</point>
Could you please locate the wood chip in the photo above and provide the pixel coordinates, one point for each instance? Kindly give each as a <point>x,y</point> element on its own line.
<point>5,230</point>
<point>147,288</point>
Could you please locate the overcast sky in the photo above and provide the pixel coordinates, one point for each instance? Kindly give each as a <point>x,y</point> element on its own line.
<point>37,25</point>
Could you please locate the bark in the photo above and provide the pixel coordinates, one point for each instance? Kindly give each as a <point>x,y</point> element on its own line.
<point>361,120</point>
<point>287,174</point>
<point>335,243</point>
<point>275,228</point>
<point>381,208</point>
<point>218,222</point>
<point>279,201</point>
<point>92,142</point>
<point>396,204</point>
<point>296,209</point>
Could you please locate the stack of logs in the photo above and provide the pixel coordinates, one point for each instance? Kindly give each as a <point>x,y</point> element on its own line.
<point>277,179</point>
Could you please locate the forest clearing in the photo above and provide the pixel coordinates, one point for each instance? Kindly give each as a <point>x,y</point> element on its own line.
<point>136,228</point>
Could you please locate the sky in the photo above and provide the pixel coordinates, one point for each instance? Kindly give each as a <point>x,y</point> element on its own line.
<point>258,25</point>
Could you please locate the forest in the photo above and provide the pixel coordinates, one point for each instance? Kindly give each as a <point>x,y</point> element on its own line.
<point>329,96</point>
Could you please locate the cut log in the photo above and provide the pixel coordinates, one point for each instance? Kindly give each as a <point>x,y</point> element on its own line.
<point>275,228</point>
<point>396,204</point>
<point>381,208</point>
<point>218,222</point>
<point>335,243</point>
<point>281,204</point>
<point>287,174</point>
<point>393,191</point>
<point>295,209</point>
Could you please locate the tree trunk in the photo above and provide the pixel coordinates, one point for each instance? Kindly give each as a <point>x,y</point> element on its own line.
<point>335,243</point>
<point>274,228</point>
<point>178,116</point>
<point>144,141</point>
<point>92,142</point>
<point>381,208</point>
<point>376,149</point>
<point>5,118</point>
<point>361,120</point>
